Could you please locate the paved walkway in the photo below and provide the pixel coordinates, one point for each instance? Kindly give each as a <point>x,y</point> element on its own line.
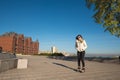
<point>42,68</point>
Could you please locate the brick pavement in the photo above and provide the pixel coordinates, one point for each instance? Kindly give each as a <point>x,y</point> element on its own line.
<point>42,68</point>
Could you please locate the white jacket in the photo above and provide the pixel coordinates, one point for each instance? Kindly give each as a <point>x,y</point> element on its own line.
<point>81,46</point>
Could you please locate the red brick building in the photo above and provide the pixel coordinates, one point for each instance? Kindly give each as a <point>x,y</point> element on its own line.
<point>20,44</point>
<point>17,43</point>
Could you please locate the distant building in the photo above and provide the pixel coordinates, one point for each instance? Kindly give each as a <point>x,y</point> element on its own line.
<point>53,49</point>
<point>17,43</point>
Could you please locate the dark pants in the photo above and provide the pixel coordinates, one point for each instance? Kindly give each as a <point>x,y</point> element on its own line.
<point>80,58</point>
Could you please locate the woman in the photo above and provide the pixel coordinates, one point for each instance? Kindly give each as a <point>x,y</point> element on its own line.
<point>80,47</point>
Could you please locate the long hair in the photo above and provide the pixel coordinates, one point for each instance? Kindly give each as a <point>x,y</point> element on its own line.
<point>78,36</point>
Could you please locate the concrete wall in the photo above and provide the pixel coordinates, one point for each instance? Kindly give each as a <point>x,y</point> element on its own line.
<point>8,64</point>
<point>6,56</point>
<point>7,61</point>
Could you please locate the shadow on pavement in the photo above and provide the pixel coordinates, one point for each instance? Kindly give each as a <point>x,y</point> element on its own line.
<point>68,58</point>
<point>62,65</point>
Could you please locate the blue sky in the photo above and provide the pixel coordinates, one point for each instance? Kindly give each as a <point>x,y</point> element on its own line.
<point>56,23</point>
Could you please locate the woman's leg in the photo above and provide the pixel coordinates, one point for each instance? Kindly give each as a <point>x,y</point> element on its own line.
<point>83,59</point>
<point>78,59</point>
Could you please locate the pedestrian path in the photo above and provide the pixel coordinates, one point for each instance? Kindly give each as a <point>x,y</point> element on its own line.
<point>43,68</point>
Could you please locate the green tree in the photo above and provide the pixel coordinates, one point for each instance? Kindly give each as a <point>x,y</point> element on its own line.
<point>107,13</point>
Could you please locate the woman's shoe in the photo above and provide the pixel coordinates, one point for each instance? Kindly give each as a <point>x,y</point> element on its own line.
<point>83,69</point>
<point>78,69</point>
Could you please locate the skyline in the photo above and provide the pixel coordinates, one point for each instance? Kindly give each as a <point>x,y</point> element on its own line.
<point>56,23</point>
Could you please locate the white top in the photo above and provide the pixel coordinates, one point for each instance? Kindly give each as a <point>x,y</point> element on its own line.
<point>81,46</point>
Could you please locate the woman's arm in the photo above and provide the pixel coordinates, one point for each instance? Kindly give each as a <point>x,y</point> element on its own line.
<point>85,45</point>
<point>76,45</point>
